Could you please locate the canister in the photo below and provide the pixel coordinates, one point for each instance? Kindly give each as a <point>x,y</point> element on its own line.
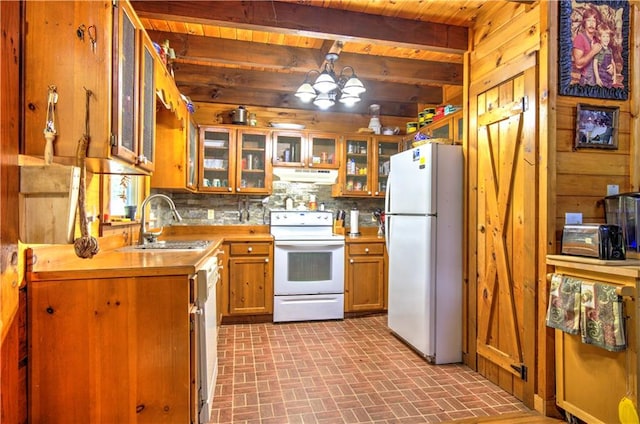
<point>412,127</point>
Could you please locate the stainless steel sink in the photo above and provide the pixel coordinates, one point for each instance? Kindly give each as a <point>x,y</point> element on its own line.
<point>171,245</point>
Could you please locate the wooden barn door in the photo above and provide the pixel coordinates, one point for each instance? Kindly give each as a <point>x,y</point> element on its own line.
<point>507,208</point>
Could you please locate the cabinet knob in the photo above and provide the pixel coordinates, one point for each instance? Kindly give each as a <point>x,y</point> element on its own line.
<point>376,193</point>
<point>350,261</point>
<point>250,249</point>
<point>238,189</point>
<point>266,260</point>
<point>366,249</point>
<point>142,159</point>
<point>369,193</point>
<point>228,188</point>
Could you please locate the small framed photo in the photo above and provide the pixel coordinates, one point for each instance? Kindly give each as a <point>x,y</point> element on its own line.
<point>596,127</point>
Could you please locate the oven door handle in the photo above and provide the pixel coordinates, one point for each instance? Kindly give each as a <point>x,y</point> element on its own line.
<point>309,243</point>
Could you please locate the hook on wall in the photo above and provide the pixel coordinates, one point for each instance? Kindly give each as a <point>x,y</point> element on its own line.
<point>80,32</point>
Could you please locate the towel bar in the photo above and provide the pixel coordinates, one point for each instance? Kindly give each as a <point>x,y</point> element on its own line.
<point>624,291</point>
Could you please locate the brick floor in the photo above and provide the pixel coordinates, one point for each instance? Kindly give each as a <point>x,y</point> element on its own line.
<point>351,371</point>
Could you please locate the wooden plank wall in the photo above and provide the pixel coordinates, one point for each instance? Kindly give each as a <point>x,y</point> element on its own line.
<point>582,175</point>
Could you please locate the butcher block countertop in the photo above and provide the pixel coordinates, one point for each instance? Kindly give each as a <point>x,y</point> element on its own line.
<point>626,268</point>
<point>59,262</point>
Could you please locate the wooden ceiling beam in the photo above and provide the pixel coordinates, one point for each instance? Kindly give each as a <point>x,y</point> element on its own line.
<point>239,96</point>
<point>318,22</point>
<point>187,74</point>
<point>232,53</point>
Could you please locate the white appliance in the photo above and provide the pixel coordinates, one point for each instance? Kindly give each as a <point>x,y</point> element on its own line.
<point>208,277</point>
<point>423,209</point>
<point>308,266</point>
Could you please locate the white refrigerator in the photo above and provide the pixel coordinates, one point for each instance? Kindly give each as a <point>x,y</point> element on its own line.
<point>423,209</point>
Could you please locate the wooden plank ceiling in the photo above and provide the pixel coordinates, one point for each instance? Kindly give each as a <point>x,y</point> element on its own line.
<point>258,52</point>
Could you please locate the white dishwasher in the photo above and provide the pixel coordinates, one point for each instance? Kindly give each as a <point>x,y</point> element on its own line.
<point>208,343</point>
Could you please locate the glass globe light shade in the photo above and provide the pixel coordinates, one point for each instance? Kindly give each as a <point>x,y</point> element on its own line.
<point>306,93</point>
<point>325,83</point>
<point>348,99</point>
<point>354,86</point>
<point>323,101</point>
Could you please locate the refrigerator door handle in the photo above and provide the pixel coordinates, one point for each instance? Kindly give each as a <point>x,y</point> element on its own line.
<point>387,224</point>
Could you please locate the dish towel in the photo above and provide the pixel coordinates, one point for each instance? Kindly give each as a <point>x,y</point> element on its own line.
<point>563,312</point>
<point>602,318</point>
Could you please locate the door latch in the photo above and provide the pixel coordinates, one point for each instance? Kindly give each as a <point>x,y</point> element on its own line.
<point>522,370</point>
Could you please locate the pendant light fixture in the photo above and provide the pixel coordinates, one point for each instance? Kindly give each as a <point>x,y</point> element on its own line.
<point>327,87</point>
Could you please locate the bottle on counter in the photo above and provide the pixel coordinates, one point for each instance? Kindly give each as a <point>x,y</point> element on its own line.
<point>288,203</point>
<point>312,202</point>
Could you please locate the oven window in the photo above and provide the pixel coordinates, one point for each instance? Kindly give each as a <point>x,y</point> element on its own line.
<point>309,266</point>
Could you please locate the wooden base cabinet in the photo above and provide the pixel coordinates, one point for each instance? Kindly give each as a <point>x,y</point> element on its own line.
<point>365,281</point>
<point>112,350</point>
<point>250,278</point>
<point>591,381</point>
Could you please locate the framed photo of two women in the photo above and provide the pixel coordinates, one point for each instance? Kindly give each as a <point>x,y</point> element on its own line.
<point>594,48</point>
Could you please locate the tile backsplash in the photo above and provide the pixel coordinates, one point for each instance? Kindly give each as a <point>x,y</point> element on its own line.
<point>228,209</point>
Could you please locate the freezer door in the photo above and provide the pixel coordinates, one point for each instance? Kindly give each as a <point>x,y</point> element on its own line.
<point>411,313</point>
<point>411,184</point>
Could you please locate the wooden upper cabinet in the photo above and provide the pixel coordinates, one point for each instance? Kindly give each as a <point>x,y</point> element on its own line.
<point>176,156</point>
<point>235,161</point>
<point>96,46</point>
<point>366,165</point>
<point>449,127</point>
<point>253,162</point>
<point>323,150</point>
<point>306,149</point>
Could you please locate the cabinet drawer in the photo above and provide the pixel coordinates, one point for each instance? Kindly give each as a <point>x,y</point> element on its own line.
<point>366,249</point>
<point>236,249</point>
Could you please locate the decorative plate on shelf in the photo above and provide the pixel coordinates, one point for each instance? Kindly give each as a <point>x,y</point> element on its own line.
<point>287,125</point>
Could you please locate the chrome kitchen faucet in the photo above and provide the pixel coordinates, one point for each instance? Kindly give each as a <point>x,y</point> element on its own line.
<point>151,236</point>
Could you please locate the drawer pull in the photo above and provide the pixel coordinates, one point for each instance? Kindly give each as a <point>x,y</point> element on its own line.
<point>266,260</point>
<point>350,261</point>
<point>250,249</point>
<point>366,250</point>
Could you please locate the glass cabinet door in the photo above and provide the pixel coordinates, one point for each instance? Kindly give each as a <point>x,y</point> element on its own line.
<point>442,131</point>
<point>323,151</point>
<point>125,86</point>
<point>192,155</point>
<point>288,148</point>
<point>217,147</point>
<point>252,161</point>
<point>383,152</point>
<point>357,165</point>
<point>146,153</point>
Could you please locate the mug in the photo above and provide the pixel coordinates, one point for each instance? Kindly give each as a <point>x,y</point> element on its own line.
<point>206,182</point>
<point>216,182</point>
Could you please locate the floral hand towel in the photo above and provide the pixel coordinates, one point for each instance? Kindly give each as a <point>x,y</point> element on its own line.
<point>602,317</point>
<point>563,312</point>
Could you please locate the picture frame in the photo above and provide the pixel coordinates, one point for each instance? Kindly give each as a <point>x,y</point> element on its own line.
<point>583,25</point>
<point>596,127</point>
